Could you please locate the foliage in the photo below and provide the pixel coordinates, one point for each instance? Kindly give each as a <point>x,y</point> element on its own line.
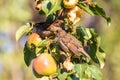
<point>83,55</point>
<point>94,9</point>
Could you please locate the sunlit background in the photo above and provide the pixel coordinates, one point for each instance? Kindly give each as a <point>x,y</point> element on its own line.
<point>15,13</point>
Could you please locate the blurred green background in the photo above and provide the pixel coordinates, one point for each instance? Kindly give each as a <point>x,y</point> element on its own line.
<point>15,13</point>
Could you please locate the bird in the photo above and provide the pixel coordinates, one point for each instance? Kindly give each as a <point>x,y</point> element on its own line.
<point>70,44</point>
<point>66,41</point>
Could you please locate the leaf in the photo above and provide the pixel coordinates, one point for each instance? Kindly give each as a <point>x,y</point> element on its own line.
<point>69,78</point>
<point>97,10</point>
<point>62,76</point>
<point>50,6</point>
<point>84,32</point>
<point>85,8</point>
<point>80,69</point>
<point>96,73</point>
<point>74,77</point>
<point>54,51</point>
<point>28,55</point>
<point>92,52</point>
<point>101,57</point>
<point>96,53</point>
<point>23,30</point>
<point>50,18</point>
<point>88,73</point>
<point>56,6</point>
<point>94,9</point>
<point>85,71</point>
<point>88,34</point>
<point>46,5</point>
<point>94,44</point>
<point>43,44</point>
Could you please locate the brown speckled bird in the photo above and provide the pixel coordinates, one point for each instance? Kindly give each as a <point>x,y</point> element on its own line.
<point>67,42</point>
<point>70,44</point>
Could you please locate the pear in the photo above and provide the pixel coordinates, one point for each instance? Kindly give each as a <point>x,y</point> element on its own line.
<point>33,40</point>
<point>44,64</point>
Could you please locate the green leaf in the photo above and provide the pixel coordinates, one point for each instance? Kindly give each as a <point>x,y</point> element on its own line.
<point>56,6</point>
<point>101,57</point>
<point>85,71</point>
<point>69,78</point>
<point>97,10</point>
<point>46,5</point>
<point>95,50</point>
<point>77,69</point>
<point>44,43</point>
<point>80,69</point>
<point>51,6</point>
<point>97,55</point>
<point>94,9</point>
<point>50,18</point>
<point>84,32</point>
<point>92,52</point>
<point>28,55</point>
<point>62,76</point>
<point>85,8</point>
<point>23,30</point>
<point>96,73</point>
<point>42,46</point>
<point>54,51</point>
<point>88,73</point>
<point>94,44</point>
